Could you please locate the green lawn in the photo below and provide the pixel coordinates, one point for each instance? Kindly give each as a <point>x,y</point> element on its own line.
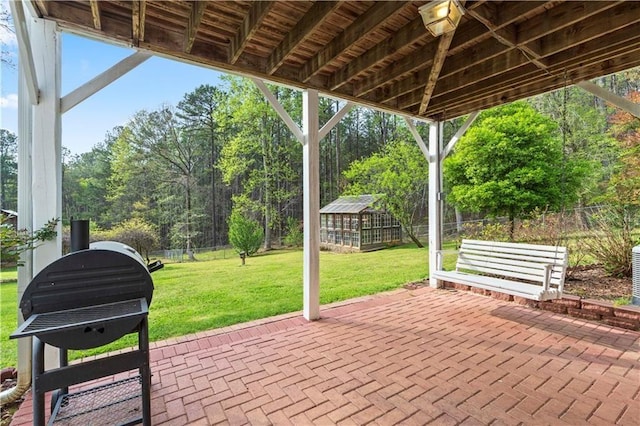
<point>191,297</point>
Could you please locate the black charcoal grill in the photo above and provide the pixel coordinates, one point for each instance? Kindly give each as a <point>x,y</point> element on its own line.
<point>84,300</point>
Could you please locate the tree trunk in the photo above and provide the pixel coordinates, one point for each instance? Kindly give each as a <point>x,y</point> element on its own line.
<point>415,240</point>
<point>267,197</point>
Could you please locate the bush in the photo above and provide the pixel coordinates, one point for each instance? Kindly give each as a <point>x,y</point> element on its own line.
<point>611,242</point>
<point>245,235</point>
<point>138,234</point>
<point>295,236</point>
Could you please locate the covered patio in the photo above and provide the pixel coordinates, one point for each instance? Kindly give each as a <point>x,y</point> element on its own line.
<point>423,356</point>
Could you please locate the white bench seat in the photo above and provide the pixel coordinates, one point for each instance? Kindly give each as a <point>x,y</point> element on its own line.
<point>525,270</point>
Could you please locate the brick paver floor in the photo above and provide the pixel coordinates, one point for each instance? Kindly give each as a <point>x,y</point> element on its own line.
<point>407,357</point>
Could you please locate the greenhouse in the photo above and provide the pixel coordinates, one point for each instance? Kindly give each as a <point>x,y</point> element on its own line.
<point>354,223</point>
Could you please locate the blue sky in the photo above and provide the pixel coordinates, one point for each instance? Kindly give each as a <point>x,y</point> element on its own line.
<point>156,82</point>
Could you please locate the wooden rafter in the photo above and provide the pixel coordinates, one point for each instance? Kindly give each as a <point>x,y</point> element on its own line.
<point>376,53</point>
<point>251,23</point>
<point>438,63</point>
<point>95,13</point>
<point>370,20</point>
<point>409,34</point>
<point>138,15</point>
<point>195,17</point>
<point>301,32</point>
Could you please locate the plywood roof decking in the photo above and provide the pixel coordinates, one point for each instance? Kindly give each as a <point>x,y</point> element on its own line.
<point>379,53</point>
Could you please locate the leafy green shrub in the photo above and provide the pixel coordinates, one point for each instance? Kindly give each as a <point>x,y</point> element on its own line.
<point>611,242</point>
<point>15,241</point>
<point>295,236</point>
<point>245,235</point>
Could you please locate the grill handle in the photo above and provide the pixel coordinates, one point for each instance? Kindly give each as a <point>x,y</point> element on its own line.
<point>154,266</point>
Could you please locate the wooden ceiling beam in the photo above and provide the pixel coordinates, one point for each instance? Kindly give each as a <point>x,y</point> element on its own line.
<point>436,67</point>
<point>472,67</point>
<point>472,31</point>
<point>252,21</point>
<point>138,16</point>
<point>529,75</point>
<point>539,86</point>
<point>369,21</point>
<point>407,35</point>
<point>195,18</point>
<point>575,59</point>
<point>95,12</point>
<point>302,31</point>
<point>607,21</point>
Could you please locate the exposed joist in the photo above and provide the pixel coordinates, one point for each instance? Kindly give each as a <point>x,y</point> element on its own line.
<point>434,72</point>
<point>625,15</point>
<point>507,36</point>
<point>544,83</point>
<point>407,35</point>
<point>301,32</point>
<point>101,81</point>
<point>370,20</point>
<point>138,17</point>
<point>251,24</point>
<point>438,63</point>
<point>195,17</point>
<point>471,34</point>
<point>476,87</point>
<point>484,60</point>
<point>95,13</point>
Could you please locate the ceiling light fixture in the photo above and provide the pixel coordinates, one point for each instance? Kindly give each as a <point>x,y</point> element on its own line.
<point>441,16</point>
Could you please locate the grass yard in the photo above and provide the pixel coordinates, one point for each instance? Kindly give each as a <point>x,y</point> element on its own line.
<point>203,295</point>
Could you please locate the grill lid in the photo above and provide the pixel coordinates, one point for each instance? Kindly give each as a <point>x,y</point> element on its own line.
<point>88,279</point>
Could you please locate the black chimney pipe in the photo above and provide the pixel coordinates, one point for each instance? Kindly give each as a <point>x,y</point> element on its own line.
<point>79,235</point>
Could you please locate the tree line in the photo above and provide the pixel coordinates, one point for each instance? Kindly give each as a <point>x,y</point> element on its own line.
<point>184,169</point>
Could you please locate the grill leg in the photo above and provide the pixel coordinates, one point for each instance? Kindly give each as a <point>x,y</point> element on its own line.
<point>145,372</point>
<point>37,370</point>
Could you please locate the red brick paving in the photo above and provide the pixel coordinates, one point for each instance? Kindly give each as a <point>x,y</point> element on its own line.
<point>406,357</point>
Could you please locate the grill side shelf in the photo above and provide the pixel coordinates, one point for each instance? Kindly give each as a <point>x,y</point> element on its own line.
<point>57,321</point>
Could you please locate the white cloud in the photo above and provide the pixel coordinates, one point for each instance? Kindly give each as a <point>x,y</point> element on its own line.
<point>10,101</point>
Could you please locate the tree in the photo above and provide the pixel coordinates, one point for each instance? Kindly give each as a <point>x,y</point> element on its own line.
<point>198,111</point>
<point>401,175</point>
<point>262,157</point>
<point>511,163</point>
<point>8,170</point>
<point>245,234</point>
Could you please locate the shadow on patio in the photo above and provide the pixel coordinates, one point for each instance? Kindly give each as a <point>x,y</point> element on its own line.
<point>405,357</point>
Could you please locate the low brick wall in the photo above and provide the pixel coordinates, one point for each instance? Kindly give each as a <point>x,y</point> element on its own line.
<point>595,310</point>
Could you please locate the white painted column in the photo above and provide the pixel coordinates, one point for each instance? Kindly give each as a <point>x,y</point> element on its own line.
<point>435,199</point>
<point>46,185</point>
<point>311,188</point>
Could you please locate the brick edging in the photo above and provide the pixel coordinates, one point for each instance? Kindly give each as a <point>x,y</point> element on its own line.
<point>627,317</point>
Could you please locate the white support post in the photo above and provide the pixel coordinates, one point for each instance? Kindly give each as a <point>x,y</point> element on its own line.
<point>435,199</point>
<point>620,102</point>
<point>311,188</point>
<point>47,146</point>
